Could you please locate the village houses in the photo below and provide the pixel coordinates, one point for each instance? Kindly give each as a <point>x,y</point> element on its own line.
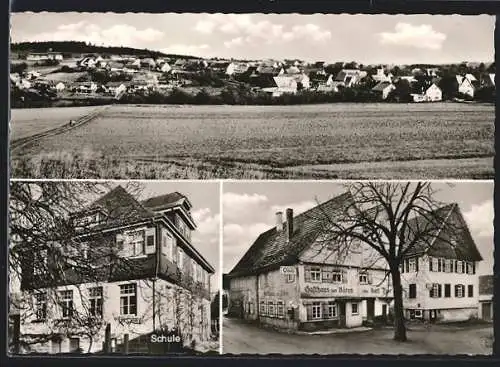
<point>291,279</point>
<point>147,276</point>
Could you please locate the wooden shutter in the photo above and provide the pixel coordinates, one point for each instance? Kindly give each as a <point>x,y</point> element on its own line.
<point>456,290</point>
<point>307,273</point>
<point>455,266</point>
<point>344,276</point>
<point>430,264</point>
<point>326,275</point>
<point>440,291</point>
<point>416,263</point>
<point>370,278</point>
<point>473,267</point>
<point>431,293</point>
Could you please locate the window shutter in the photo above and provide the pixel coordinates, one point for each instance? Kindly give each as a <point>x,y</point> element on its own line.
<point>407,265</point>
<point>455,266</point>
<point>344,276</point>
<point>440,291</point>
<point>456,291</point>
<point>370,278</point>
<point>430,264</point>
<point>307,273</point>
<point>416,264</point>
<point>473,267</point>
<point>431,294</point>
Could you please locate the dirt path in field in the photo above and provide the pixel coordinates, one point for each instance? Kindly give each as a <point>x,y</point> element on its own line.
<point>17,144</point>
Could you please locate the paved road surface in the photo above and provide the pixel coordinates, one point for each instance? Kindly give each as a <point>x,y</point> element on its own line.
<point>241,338</point>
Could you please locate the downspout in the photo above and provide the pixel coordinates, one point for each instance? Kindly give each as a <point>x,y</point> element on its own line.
<point>257,306</point>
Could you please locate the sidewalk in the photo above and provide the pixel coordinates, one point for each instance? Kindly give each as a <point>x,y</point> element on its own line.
<point>335,331</point>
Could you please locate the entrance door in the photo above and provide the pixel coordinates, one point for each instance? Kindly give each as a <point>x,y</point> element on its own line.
<point>486,311</point>
<point>342,314</point>
<point>74,345</point>
<point>370,309</point>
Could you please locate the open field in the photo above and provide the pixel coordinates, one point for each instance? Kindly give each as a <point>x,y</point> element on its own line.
<point>28,122</point>
<point>64,77</point>
<point>444,140</point>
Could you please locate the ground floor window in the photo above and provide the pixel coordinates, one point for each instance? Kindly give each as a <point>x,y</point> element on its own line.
<point>270,309</point>
<point>316,310</point>
<point>331,310</point>
<point>262,310</point>
<point>354,309</point>
<point>281,309</point>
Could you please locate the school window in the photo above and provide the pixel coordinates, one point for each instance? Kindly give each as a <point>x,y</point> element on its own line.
<point>435,291</point>
<point>270,309</point>
<point>315,274</point>
<point>66,302</point>
<point>128,299</point>
<point>280,308</point>
<point>470,290</point>
<point>316,310</point>
<point>290,278</point>
<point>41,306</point>
<point>435,264</point>
<point>447,266</point>
<point>180,258</point>
<point>95,297</point>
<point>460,268</point>
<point>363,278</point>
<point>447,290</point>
<point>412,265</point>
<point>354,309</point>
<point>331,310</point>
<point>459,291</point>
<point>262,310</point>
<point>412,291</point>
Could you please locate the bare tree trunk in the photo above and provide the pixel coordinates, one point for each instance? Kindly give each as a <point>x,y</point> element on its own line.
<point>399,322</point>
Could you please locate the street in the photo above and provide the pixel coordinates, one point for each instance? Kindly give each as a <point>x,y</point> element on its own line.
<point>240,337</point>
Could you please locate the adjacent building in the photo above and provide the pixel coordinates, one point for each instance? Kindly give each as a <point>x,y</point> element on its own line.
<point>486,297</point>
<point>130,267</point>
<point>292,278</point>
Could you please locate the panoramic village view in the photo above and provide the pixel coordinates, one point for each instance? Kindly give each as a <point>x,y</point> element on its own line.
<point>313,268</point>
<point>133,270</point>
<point>97,100</point>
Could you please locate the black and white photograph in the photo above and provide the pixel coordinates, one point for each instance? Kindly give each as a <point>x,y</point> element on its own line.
<point>251,96</point>
<point>121,268</point>
<point>358,267</point>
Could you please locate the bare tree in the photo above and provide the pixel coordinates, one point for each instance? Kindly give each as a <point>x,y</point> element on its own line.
<point>47,250</point>
<point>393,220</point>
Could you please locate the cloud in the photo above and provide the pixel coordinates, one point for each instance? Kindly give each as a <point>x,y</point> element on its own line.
<point>205,26</point>
<point>238,41</point>
<point>238,239</point>
<point>480,219</point>
<point>241,207</point>
<point>422,36</point>
<point>181,49</point>
<point>250,31</point>
<point>116,35</point>
<point>298,208</point>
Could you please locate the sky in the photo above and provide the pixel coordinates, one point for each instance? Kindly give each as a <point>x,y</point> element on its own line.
<point>250,208</point>
<point>204,196</point>
<point>368,39</point>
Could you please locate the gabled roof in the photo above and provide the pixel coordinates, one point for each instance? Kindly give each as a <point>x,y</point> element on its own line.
<point>442,220</point>
<point>271,249</point>
<point>120,207</point>
<point>486,284</point>
<point>167,201</point>
<point>381,86</point>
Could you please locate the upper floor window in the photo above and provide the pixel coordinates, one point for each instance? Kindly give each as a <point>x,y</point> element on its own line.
<point>290,278</point>
<point>459,290</point>
<point>183,228</point>
<point>412,265</point>
<point>180,258</point>
<point>315,274</point>
<point>363,278</point>
<point>128,299</point>
<point>40,306</point>
<point>40,262</point>
<point>435,290</point>
<point>460,267</point>
<point>412,291</point>
<point>96,300</point>
<point>66,302</point>
<point>447,266</point>
<point>167,244</point>
<point>470,268</point>
<point>470,290</point>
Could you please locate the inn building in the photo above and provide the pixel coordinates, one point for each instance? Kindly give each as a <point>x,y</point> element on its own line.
<point>292,278</point>
<point>144,275</point>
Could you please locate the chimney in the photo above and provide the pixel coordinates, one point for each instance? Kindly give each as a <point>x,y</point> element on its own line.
<point>289,224</point>
<point>279,221</point>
